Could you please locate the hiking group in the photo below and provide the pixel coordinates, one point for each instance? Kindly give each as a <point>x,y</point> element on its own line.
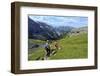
<point>51,48</point>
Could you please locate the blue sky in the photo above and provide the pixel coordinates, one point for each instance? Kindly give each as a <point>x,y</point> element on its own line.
<point>74,21</point>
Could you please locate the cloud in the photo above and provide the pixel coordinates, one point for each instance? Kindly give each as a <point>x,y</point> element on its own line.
<point>74,21</point>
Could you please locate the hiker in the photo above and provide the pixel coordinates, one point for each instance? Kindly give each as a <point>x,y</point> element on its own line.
<point>47,48</point>
<point>57,45</point>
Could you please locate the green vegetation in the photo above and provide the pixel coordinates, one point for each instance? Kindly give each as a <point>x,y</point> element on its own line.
<point>35,53</point>
<point>72,47</point>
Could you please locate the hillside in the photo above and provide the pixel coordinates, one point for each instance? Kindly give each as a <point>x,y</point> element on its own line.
<point>40,30</point>
<point>43,31</point>
<point>71,48</point>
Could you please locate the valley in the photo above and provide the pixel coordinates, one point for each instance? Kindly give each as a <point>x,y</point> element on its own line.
<point>73,41</point>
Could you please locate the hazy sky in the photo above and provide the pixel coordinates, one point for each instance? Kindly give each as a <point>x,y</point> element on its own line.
<point>74,21</point>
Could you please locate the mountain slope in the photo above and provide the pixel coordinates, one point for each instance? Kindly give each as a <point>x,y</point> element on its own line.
<point>40,30</point>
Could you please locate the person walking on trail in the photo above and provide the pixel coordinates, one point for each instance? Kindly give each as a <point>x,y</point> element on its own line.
<point>57,45</point>
<point>47,49</point>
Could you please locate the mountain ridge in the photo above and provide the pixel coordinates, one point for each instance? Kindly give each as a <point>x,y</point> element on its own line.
<point>43,31</point>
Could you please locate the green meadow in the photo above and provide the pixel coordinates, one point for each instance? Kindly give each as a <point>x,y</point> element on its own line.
<point>72,47</point>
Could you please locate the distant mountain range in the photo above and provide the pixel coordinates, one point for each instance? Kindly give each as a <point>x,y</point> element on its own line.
<point>80,30</point>
<point>43,31</point>
<point>63,29</point>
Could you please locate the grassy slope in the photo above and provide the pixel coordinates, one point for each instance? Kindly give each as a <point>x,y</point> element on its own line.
<point>71,48</point>
<point>36,53</point>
